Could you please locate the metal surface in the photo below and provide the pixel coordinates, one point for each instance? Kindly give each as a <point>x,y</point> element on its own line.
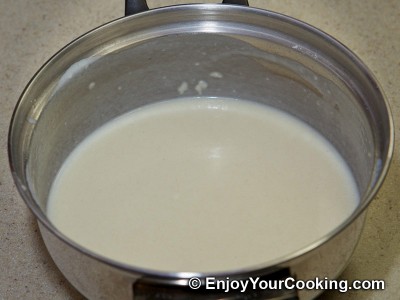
<point>263,56</point>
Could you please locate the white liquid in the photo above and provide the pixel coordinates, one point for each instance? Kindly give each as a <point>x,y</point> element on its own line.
<point>201,185</point>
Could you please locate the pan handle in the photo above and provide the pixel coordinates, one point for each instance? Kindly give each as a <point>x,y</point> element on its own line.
<point>196,289</point>
<point>137,6</point>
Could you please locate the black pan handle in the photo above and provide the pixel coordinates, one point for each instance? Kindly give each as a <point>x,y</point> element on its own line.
<point>147,289</point>
<point>237,2</point>
<point>137,6</point>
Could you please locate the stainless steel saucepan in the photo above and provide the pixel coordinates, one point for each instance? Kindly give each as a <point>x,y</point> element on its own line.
<point>143,58</point>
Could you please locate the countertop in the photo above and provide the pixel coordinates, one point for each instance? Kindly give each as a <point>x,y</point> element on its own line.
<point>32,31</point>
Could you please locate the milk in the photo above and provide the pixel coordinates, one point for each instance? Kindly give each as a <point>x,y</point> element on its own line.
<point>201,185</point>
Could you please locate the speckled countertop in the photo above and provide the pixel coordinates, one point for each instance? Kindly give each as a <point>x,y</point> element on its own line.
<point>31,31</point>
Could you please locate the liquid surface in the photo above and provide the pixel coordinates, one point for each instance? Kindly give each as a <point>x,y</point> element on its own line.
<point>201,185</point>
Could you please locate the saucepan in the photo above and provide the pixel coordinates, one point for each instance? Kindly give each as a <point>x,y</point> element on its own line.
<point>143,58</point>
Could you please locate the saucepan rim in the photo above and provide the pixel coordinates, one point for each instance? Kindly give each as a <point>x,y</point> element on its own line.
<point>42,218</point>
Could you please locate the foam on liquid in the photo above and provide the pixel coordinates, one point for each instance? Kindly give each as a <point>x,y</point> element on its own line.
<point>201,185</point>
